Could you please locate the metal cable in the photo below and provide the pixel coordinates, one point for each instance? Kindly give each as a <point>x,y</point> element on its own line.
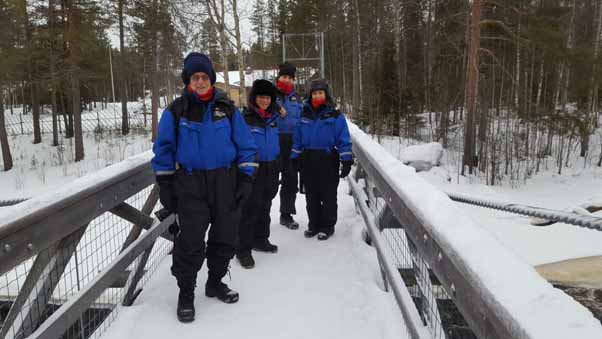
<point>591,222</point>
<point>11,202</point>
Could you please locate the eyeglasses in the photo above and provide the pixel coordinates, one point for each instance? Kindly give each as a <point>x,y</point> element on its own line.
<point>199,76</point>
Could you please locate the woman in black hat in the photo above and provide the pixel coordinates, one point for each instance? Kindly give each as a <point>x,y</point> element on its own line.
<point>321,145</point>
<point>261,116</point>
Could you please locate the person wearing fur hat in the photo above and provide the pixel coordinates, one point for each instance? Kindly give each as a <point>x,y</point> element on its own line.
<point>292,104</point>
<point>261,115</point>
<point>321,145</point>
<point>204,165</point>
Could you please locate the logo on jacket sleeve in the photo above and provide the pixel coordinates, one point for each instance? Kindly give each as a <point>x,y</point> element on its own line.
<point>219,113</point>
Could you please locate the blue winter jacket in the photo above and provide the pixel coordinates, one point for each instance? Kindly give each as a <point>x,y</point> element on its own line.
<point>265,132</point>
<point>325,130</point>
<point>209,136</point>
<point>293,106</point>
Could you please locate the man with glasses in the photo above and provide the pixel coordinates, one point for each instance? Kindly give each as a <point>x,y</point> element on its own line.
<point>205,159</point>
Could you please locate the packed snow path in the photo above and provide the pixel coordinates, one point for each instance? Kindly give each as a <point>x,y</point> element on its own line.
<point>309,289</point>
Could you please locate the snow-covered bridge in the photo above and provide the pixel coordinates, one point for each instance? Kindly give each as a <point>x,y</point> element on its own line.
<point>89,261</point>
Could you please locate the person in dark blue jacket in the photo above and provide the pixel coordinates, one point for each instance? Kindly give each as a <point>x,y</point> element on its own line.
<point>321,144</point>
<point>204,162</point>
<point>288,99</point>
<point>261,114</point>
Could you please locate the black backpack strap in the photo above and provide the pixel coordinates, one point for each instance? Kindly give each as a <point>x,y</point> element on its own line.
<point>177,109</point>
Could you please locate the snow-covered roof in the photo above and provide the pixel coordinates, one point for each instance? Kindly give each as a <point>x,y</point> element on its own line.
<point>234,77</point>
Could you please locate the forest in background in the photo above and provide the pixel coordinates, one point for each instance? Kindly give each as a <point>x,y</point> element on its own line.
<point>506,83</point>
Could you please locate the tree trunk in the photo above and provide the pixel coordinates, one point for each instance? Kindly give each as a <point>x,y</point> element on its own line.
<point>154,71</point>
<point>144,90</point>
<point>125,126</point>
<point>33,87</point>
<point>53,87</point>
<point>539,88</point>
<point>591,119</point>
<point>74,20</point>
<point>70,129</point>
<point>400,58</point>
<point>217,16</point>
<point>11,96</point>
<point>473,87</point>
<point>343,73</point>
<point>517,70</point>
<point>592,102</point>
<point>241,56</point>
<point>427,71</point>
<point>359,59</point>
<point>7,158</point>
<point>35,104</point>
<point>567,72</point>
<point>77,117</point>
<point>355,96</point>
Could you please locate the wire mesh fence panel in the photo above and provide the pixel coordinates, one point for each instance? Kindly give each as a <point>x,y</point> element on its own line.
<point>436,309</point>
<point>92,121</point>
<point>56,274</point>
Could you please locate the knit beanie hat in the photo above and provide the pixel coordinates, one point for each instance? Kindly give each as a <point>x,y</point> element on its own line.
<point>197,62</point>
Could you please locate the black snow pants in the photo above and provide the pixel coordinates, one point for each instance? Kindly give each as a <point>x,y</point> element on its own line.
<point>288,189</point>
<point>205,197</point>
<point>320,173</point>
<point>255,221</point>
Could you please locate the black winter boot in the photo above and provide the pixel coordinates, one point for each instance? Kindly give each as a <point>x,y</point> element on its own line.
<point>220,290</point>
<point>323,236</point>
<point>186,302</point>
<point>288,221</point>
<point>264,245</point>
<point>325,233</point>
<point>246,260</point>
<point>310,233</point>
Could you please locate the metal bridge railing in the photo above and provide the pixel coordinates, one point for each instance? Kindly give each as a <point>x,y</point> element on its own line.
<point>435,260</point>
<point>69,259</point>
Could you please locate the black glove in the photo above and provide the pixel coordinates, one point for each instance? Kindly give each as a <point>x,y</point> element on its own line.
<point>167,192</point>
<point>244,186</point>
<point>345,167</point>
<point>296,164</point>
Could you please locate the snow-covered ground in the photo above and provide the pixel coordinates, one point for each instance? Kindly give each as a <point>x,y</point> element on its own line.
<point>536,245</point>
<point>41,168</point>
<point>309,289</point>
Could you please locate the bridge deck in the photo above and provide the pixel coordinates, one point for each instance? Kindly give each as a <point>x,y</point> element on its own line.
<point>309,289</point>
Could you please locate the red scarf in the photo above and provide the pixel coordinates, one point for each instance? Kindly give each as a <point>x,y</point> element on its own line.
<point>203,97</point>
<point>316,103</point>
<point>263,113</point>
<point>284,87</point>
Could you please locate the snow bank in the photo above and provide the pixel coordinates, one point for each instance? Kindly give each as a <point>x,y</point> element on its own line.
<point>431,153</point>
<point>507,283</point>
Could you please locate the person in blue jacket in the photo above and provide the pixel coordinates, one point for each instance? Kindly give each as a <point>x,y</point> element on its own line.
<point>288,99</point>
<point>261,115</point>
<point>204,162</point>
<point>321,144</point>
